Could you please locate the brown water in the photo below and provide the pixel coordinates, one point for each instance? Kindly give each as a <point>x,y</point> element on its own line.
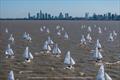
<point>48,66</point>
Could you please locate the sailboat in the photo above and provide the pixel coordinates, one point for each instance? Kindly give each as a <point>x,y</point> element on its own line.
<point>66,35</point>
<point>56,50</point>
<point>89,29</point>
<point>99,30</point>
<point>11,75</point>
<point>89,38</point>
<point>50,41</point>
<point>83,41</point>
<point>27,55</point>
<point>59,33</point>
<point>11,38</point>
<point>111,37</point>
<point>98,45</point>
<point>46,47</point>
<point>6,30</point>
<point>97,55</point>
<point>9,52</point>
<point>41,29</point>
<point>69,61</point>
<point>114,33</point>
<point>27,36</point>
<point>101,72</point>
<point>47,30</point>
<point>102,75</point>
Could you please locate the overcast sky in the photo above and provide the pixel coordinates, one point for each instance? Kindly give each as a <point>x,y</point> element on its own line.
<point>20,8</point>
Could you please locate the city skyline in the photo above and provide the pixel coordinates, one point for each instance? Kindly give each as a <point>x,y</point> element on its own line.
<point>20,8</point>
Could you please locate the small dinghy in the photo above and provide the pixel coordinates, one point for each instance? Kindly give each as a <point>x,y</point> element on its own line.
<point>56,50</point>
<point>89,29</point>
<point>97,56</point>
<point>27,55</point>
<point>9,52</point>
<point>66,36</point>
<point>83,40</point>
<point>111,37</point>
<point>69,61</point>
<point>46,47</point>
<point>102,75</point>
<point>27,37</point>
<point>89,38</point>
<point>11,38</point>
<point>98,45</point>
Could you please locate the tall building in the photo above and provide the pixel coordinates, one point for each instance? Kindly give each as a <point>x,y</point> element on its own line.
<point>38,16</point>
<point>66,16</point>
<point>87,15</point>
<point>61,15</point>
<point>29,15</point>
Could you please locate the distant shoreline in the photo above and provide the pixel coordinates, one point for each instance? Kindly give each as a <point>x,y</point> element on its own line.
<point>58,20</point>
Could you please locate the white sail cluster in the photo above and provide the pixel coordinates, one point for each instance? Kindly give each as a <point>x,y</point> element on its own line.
<point>89,38</point>
<point>27,37</point>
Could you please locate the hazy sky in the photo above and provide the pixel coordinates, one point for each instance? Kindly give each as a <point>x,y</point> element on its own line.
<point>20,8</point>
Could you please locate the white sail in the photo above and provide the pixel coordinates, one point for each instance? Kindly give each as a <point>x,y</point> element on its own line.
<point>99,30</point>
<point>98,45</point>
<point>89,29</point>
<point>11,38</point>
<point>99,55</point>
<point>56,50</point>
<point>44,27</point>
<point>111,37</point>
<point>9,51</point>
<point>72,61</point>
<point>41,29</point>
<point>101,72</point>
<point>49,48</point>
<point>6,30</point>
<point>83,41</point>
<point>57,27</point>
<point>30,55</point>
<point>107,77</point>
<point>47,30</point>
<point>66,35</point>
<point>89,38</point>
<point>50,41</point>
<point>59,33</point>
<point>26,53</point>
<point>114,33</point>
<point>28,37</point>
<point>62,29</point>
<point>45,47</point>
<point>68,59</point>
<point>11,76</point>
<point>25,35</point>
